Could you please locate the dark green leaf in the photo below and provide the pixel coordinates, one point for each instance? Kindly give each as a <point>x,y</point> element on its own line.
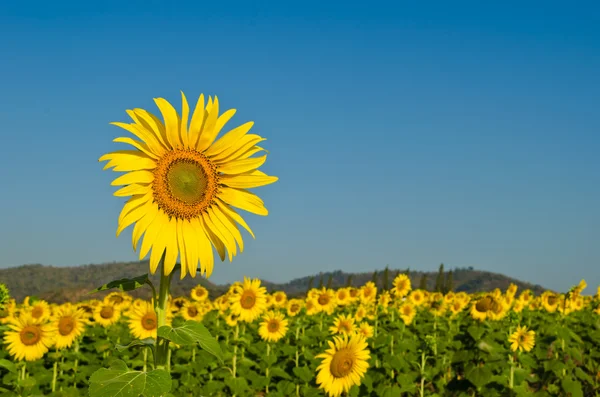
<point>120,381</point>
<point>137,342</point>
<point>192,332</point>
<point>124,284</point>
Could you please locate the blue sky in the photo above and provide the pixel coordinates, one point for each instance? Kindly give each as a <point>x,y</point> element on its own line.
<point>406,135</point>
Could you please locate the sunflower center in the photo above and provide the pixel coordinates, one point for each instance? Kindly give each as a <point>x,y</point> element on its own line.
<point>552,299</point>
<point>323,300</point>
<point>295,307</point>
<point>407,310</point>
<point>353,293</point>
<point>66,325</point>
<point>484,304</point>
<point>107,312</point>
<point>185,183</point>
<point>273,326</point>
<point>192,311</point>
<point>342,363</point>
<point>248,300</point>
<point>344,327</point>
<point>149,321</point>
<point>37,312</point>
<point>30,335</point>
<point>116,299</point>
<point>278,298</point>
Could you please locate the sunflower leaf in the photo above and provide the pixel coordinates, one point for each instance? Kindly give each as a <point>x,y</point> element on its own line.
<point>125,284</point>
<point>9,365</point>
<point>120,381</point>
<point>138,342</point>
<point>192,332</point>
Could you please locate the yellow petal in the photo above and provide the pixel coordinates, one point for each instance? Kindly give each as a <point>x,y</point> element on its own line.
<point>128,160</point>
<point>226,239</point>
<point>151,235</point>
<point>138,145</point>
<point>143,225</point>
<point>244,200</point>
<point>197,122</point>
<point>133,202</point>
<point>230,225</point>
<point>242,166</point>
<point>169,233</point>
<point>208,135</point>
<point>225,208</point>
<point>229,139</point>
<point>247,181</point>
<point>190,237</point>
<point>182,249</point>
<point>129,178</point>
<point>216,242</point>
<point>171,120</point>
<point>185,114</point>
<point>205,249</point>
<point>152,123</point>
<point>133,216</point>
<point>132,190</point>
<point>239,155</point>
<point>237,148</point>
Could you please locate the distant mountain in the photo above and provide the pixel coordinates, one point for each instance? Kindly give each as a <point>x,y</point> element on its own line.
<point>63,284</point>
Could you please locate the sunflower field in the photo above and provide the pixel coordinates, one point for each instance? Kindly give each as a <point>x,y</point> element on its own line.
<point>346,342</point>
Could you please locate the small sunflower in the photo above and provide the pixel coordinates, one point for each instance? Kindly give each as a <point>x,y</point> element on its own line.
<point>118,299</point>
<point>407,312</point>
<point>68,324</point>
<point>232,319</point>
<point>192,311</point>
<point>40,310</point>
<point>343,364</point>
<point>199,293</point>
<point>143,322</point>
<point>28,339</point>
<point>402,286</point>
<point>365,330</point>
<point>417,297</point>
<point>249,300</point>
<point>522,339</point>
<point>184,185</point>
<point>293,307</point>
<point>273,327</point>
<point>343,324</point>
<point>325,300</point>
<point>311,306</point>
<point>343,297</point>
<point>177,303</point>
<point>368,292</point>
<point>106,315</point>
<point>279,299</point>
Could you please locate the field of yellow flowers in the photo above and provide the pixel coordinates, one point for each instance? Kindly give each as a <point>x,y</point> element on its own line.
<point>350,341</point>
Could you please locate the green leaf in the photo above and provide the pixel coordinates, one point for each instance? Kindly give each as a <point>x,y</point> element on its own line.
<point>125,284</point>
<point>192,332</point>
<point>479,376</point>
<point>278,372</point>
<point>393,391</point>
<point>237,385</point>
<point>476,331</point>
<point>572,386</point>
<point>120,381</point>
<point>304,373</point>
<point>9,365</point>
<point>138,342</point>
<point>519,375</point>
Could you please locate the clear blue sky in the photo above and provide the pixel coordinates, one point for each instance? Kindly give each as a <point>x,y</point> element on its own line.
<point>405,135</point>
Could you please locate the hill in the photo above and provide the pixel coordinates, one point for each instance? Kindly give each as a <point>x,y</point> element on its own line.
<point>63,284</point>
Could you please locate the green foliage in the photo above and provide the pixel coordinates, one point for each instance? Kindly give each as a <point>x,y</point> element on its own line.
<point>120,381</point>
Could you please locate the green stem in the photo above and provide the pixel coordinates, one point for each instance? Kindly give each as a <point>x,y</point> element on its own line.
<point>160,307</point>
<point>511,380</point>
<point>235,348</point>
<point>422,391</point>
<point>145,353</point>
<point>54,374</point>
<point>267,370</point>
<point>76,349</point>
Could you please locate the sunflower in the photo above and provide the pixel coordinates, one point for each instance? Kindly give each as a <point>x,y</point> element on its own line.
<point>549,301</point>
<point>177,303</point>
<point>27,338</point>
<point>192,311</point>
<point>407,313</point>
<point>279,299</point>
<point>249,300</point>
<point>401,286</point>
<point>343,365</point>
<point>293,307</point>
<point>456,307</point>
<point>325,299</point>
<point>199,293</point>
<point>232,319</point>
<point>384,300</point>
<point>311,306</point>
<point>343,297</point>
<point>368,292</point>
<point>481,307</point>
<point>365,330</point>
<point>417,297</point>
<point>40,310</point>
<point>143,322</point>
<point>343,324</point>
<point>361,312</point>
<point>184,185</point>
<point>522,339</point>
<point>106,315</point>
<point>68,324</point>
<point>118,299</point>
<point>273,327</point>
<point>511,290</point>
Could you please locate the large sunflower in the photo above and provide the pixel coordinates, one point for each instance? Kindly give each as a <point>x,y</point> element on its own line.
<point>28,339</point>
<point>343,365</point>
<point>143,322</point>
<point>183,184</point>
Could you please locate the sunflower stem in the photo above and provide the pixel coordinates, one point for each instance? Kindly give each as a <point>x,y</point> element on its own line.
<point>267,369</point>
<point>235,348</point>
<point>512,372</point>
<point>54,375</point>
<point>160,307</point>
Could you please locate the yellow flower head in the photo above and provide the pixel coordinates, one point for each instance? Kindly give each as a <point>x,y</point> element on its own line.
<point>143,322</point>
<point>249,301</point>
<point>343,364</point>
<point>402,286</point>
<point>106,315</point>
<point>343,324</point>
<point>522,339</point>
<point>273,327</point>
<point>199,293</point>
<point>294,306</point>
<point>184,183</point>
<point>68,324</point>
<point>27,338</point>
